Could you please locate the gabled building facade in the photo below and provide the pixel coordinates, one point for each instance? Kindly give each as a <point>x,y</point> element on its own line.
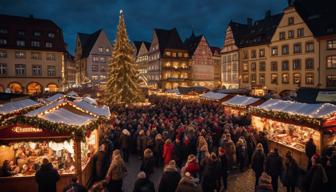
<point>202,62</point>
<point>141,52</point>
<point>216,57</point>
<point>168,60</point>
<point>69,71</point>
<point>230,55</point>
<point>93,53</point>
<point>31,55</point>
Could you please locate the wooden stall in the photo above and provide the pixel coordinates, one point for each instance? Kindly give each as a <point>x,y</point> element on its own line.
<point>288,126</point>
<point>65,132</point>
<point>238,105</point>
<point>214,97</point>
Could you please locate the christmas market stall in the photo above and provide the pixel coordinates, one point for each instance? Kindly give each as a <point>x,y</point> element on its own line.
<point>16,107</point>
<point>289,125</point>
<point>64,132</point>
<point>213,96</point>
<point>239,104</point>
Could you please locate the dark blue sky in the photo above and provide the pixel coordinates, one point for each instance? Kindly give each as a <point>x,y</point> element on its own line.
<point>209,17</point>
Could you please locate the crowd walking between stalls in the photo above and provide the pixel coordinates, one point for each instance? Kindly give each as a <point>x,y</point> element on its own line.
<point>199,146</point>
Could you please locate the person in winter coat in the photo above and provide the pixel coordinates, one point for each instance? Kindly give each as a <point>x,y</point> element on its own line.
<point>143,184</point>
<point>170,178</point>
<point>264,183</point>
<point>291,173</point>
<point>158,149</point>
<point>47,177</point>
<point>210,174</point>
<point>188,184</point>
<point>331,172</point>
<point>191,166</point>
<point>147,164</point>
<point>116,173</point>
<point>179,152</point>
<point>168,148</point>
<point>230,150</point>
<point>100,161</point>
<point>316,177</point>
<point>141,143</point>
<point>74,186</point>
<point>223,166</point>
<point>258,159</point>
<point>125,139</point>
<point>310,149</point>
<point>241,153</point>
<point>274,167</point>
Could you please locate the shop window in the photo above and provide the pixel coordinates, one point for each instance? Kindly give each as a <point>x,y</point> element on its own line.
<point>309,78</point>
<point>331,61</point>
<point>34,88</point>
<point>331,44</point>
<point>310,63</point>
<point>52,87</point>
<point>285,78</point>
<point>297,78</point>
<point>15,88</point>
<point>274,78</point>
<point>296,64</point>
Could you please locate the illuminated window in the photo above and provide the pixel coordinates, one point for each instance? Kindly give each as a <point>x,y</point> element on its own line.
<point>331,44</point>
<point>274,51</point>
<point>36,56</point>
<point>261,52</point>
<point>331,61</point>
<point>274,78</point>
<point>297,78</point>
<point>100,49</point>
<point>262,79</point>
<point>51,35</point>
<point>245,78</point>
<point>3,41</point>
<point>285,78</point>
<point>285,50</point>
<point>309,78</point>
<point>331,81</point>
<point>245,67</point>
<point>94,68</point>
<point>51,57</point>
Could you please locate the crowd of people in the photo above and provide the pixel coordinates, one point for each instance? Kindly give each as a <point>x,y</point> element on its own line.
<point>198,146</point>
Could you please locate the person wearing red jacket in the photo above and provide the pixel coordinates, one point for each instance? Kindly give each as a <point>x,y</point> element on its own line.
<point>191,166</point>
<point>167,151</point>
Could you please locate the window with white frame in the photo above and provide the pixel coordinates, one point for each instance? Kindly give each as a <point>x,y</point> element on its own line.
<point>36,56</point>
<point>20,54</point>
<point>3,69</point>
<point>20,43</point>
<point>51,70</point>
<point>35,44</point>
<point>51,57</point>
<point>49,44</point>
<point>36,70</point>
<point>20,69</point>
<point>3,54</point>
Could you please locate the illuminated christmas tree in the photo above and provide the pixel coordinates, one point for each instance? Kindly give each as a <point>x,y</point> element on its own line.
<point>123,82</point>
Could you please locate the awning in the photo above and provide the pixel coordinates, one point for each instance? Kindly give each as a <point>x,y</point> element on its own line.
<point>213,95</point>
<point>14,106</point>
<point>64,116</point>
<point>55,97</point>
<point>241,101</point>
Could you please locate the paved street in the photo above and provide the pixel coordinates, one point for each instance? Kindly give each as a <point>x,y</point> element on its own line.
<point>237,182</point>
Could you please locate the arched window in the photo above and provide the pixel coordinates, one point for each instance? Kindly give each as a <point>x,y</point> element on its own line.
<point>52,87</point>
<point>15,87</point>
<point>34,88</point>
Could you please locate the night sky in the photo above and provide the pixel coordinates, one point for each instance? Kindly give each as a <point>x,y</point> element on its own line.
<point>209,17</point>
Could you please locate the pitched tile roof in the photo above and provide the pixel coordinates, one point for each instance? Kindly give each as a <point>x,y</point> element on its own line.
<point>261,31</point>
<point>138,44</point>
<point>191,43</point>
<point>215,50</point>
<point>319,17</point>
<point>169,39</point>
<point>238,31</point>
<point>87,41</point>
<point>28,26</point>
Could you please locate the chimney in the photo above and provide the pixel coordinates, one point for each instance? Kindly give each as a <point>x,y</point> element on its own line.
<point>268,14</point>
<point>249,21</point>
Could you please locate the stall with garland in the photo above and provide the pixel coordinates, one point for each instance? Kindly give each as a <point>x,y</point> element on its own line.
<point>16,108</point>
<point>288,126</point>
<point>239,104</point>
<point>65,132</point>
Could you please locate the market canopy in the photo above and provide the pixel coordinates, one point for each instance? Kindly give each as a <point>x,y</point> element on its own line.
<point>67,117</point>
<point>241,101</point>
<point>213,96</point>
<point>100,111</point>
<point>55,97</point>
<point>15,106</point>
<point>304,109</point>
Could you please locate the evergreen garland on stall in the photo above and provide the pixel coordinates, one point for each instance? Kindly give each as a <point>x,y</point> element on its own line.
<point>123,82</point>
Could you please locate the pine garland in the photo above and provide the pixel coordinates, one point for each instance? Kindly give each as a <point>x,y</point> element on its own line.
<point>123,83</point>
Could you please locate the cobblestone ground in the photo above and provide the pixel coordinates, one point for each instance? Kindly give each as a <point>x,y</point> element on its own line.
<point>237,182</point>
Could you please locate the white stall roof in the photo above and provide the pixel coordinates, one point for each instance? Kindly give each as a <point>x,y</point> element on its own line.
<point>72,94</point>
<point>55,97</point>
<point>11,107</point>
<point>213,95</point>
<point>240,100</point>
<point>100,111</point>
<point>64,116</point>
<point>305,109</point>
<point>44,108</point>
<point>90,100</point>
